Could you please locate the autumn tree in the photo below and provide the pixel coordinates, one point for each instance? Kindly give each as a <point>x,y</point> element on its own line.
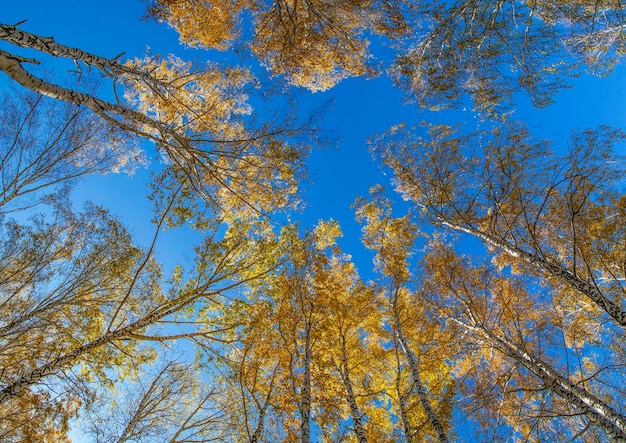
<point>313,43</point>
<point>517,363</point>
<point>555,216</point>
<point>299,322</point>
<point>271,363</point>
<point>59,278</point>
<point>252,368</point>
<point>307,354</point>
<point>353,342</point>
<point>547,221</point>
<point>199,118</point>
<point>393,240</point>
<point>82,303</point>
<point>493,51</point>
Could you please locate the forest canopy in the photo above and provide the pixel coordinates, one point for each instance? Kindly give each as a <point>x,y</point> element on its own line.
<point>485,301</point>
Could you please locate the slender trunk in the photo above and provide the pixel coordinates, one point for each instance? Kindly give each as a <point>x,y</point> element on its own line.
<point>130,120</point>
<point>48,45</point>
<point>415,375</point>
<point>22,383</point>
<point>357,416</point>
<point>554,269</point>
<point>258,432</point>
<point>123,333</point>
<point>305,409</point>
<point>12,66</point>
<point>408,434</point>
<point>599,412</point>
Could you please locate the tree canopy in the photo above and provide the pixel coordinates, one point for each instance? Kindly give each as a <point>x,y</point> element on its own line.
<point>485,302</point>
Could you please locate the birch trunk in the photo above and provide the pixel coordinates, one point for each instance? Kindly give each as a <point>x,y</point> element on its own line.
<point>131,331</point>
<point>305,409</point>
<point>48,45</point>
<point>22,383</point>
<point>357,416</point>
<point>599,412</point>
<point>408,433</point>
<point>415,375</point>
<point>554,269</point>
<point>130,120</point>
<point>258,432</point>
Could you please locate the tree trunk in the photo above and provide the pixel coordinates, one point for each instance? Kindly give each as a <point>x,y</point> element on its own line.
<point>408,433</point>
<point>48,45</point>
<point>554,269</point>
<point>130,120</point>
<point>599,412</point>
<point>22,383</point>
<point>305,409</point>
<point>415,375</point>
<point>357,416</point>
<point>258,432</point>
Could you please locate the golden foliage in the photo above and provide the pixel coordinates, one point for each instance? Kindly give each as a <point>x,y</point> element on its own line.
<point>314,44</point>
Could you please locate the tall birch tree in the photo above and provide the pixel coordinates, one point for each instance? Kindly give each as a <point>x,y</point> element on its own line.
<point>198,118</point>
<point>551,215</point>
<point>392,239</point>
<point>537,385</point>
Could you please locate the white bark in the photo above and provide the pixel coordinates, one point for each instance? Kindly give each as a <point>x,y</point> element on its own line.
<point>258,432</point>
<point>406,426</point>
<point>130,120</point>
<point>22,383</point>
<point>305,409</point>
<point>357,416</point>
<point>415,375</point>
<point>48,45</point>
<point>553,269</point>
<point>598,411</point>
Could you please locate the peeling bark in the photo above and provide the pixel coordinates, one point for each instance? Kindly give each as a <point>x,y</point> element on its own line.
<point>408,434</point>
<point>116,114</point>
<point>305,409</point>
<point>48,45</point>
